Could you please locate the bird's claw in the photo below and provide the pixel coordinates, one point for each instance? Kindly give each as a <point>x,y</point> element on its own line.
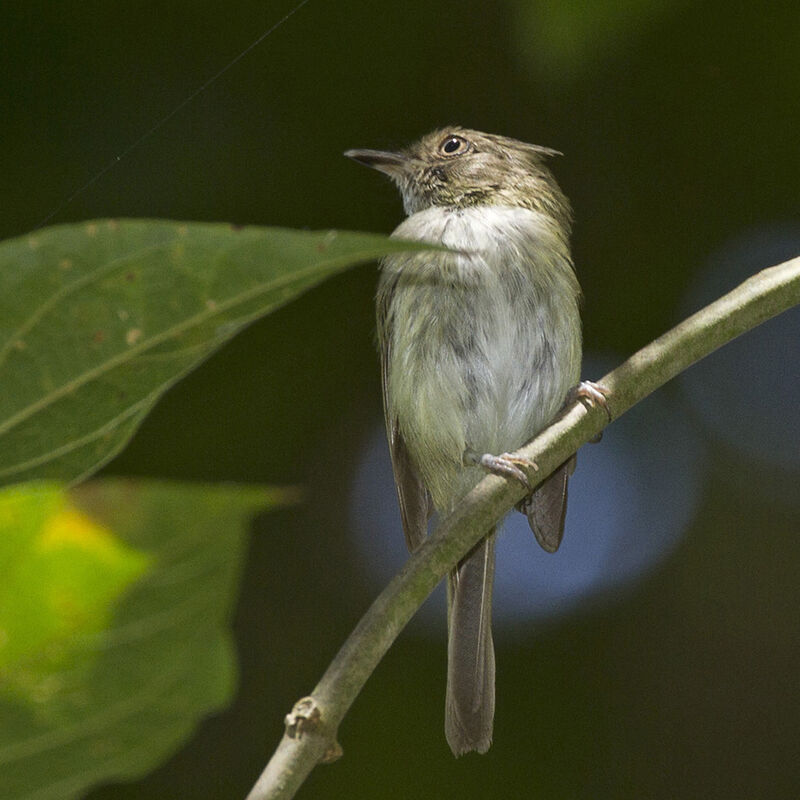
<point>591,394</point>
<point>505,465</point>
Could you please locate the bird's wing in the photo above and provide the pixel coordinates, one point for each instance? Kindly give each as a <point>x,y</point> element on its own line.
<point>415,505</point>
<point>546,508</point>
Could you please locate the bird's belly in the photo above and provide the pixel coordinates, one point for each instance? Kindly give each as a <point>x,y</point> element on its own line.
<point>479,374</point>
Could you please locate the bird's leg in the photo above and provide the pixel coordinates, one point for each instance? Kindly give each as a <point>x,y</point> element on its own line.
<point>590,394</point>
<point>505,465</point>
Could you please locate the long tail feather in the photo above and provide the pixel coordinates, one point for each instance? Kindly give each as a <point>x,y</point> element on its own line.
<point>469,709</point>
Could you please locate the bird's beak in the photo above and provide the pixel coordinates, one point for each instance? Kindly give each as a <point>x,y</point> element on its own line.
<point>393,164</point>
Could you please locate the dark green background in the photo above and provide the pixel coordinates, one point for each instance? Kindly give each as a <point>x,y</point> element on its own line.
<point>679,123</point>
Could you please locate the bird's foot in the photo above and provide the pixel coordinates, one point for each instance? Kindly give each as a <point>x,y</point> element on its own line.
<point>505,465</point>
<point>591,394</point>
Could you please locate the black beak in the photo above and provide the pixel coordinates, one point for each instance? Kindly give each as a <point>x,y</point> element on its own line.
<point>393,164</point>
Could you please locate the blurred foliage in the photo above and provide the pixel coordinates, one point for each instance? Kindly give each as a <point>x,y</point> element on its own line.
<point>679,127</point>
<point>562,41</point>
<point>62,573</point>
<point>114,613</point>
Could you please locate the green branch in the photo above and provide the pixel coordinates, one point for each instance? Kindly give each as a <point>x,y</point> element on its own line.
<point>311,727</point>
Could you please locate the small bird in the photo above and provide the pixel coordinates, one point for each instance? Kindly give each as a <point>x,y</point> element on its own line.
<point>479,350</point>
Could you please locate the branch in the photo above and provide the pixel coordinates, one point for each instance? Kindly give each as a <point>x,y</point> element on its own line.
<point>311,727</point>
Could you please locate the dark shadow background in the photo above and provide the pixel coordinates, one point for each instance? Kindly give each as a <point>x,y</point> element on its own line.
<point>679,123</point>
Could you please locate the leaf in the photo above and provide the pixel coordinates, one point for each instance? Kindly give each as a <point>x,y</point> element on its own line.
<point>98,319</point>
<point>114,637</point>
<point>62,572</point>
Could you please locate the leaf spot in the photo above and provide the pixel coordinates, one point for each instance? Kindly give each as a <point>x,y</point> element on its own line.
<point>326,242</point>
<point>65,263</point>
<point>122,314</point>
<point>133,336</point>
<point>211,305</point>
<point>33,242</point>
<point>98,337</point>
<point>91,229</point>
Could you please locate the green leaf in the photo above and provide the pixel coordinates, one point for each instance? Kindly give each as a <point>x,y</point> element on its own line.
<point>114,614</point>
<point>98,319</point>
<point>62,572</point>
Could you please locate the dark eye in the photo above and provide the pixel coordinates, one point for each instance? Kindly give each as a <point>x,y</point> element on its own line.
<point>453,146</point>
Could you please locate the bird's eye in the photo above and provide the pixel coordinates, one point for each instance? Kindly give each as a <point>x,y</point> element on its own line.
<point>453,146</point>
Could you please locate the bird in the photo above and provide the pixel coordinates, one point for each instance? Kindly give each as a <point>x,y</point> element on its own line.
<point>480,346</point>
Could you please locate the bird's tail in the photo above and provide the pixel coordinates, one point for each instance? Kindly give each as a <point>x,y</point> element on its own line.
<point>469,709</point>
